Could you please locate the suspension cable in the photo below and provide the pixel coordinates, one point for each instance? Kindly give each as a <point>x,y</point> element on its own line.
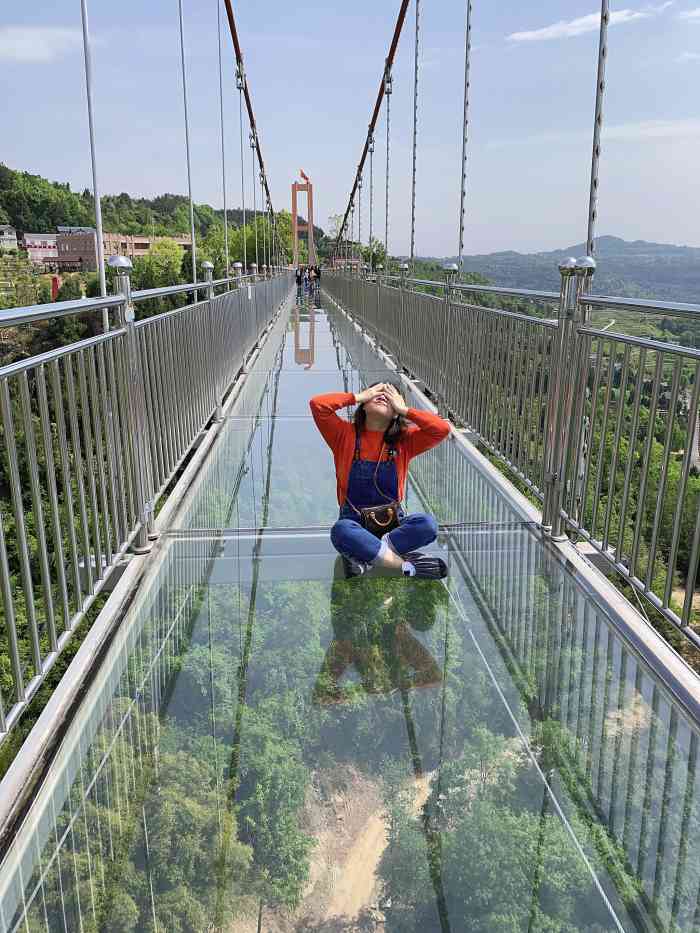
<point>255,204</point>
<point>244,87</point>
<point>387,93</point>
<point>187,144</point>
<point>370,140</point>
<point>359,215</point>
<point>223,146</point>
<point>375,114</point>
<point>465,133</point>
<point>415,138</point>
<point>239,82</point>
<point>266,258</point>
<point>597,126</point>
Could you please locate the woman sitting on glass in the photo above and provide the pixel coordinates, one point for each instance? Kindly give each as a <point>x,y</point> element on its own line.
<point>372,454</point>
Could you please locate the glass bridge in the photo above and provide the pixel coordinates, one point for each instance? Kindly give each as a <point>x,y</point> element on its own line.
<point>268,746</point>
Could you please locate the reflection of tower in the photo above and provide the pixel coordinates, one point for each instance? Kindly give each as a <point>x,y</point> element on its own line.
<point>304,356</point>
<point>299,226</point>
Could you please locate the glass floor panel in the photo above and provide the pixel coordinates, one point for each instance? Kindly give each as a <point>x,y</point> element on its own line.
<point>267,745</point>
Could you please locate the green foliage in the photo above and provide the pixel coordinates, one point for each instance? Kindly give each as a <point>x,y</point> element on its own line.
<point>70,289</point>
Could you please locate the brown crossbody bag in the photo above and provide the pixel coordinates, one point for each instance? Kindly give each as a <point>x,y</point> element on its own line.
<point>377,519</point>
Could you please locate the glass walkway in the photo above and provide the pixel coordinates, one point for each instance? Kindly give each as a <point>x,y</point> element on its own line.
<point>267,746</point>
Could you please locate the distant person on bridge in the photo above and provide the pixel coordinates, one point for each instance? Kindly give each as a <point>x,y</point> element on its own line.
<point>298,277</point>
<point>371,456</point>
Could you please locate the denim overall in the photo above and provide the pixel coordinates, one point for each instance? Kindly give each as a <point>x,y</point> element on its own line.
<point>372,483</point>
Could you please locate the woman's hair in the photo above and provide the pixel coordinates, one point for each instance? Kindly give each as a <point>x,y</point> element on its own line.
<point>396,427</point>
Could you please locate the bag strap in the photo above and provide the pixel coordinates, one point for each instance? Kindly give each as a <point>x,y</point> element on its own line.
<point>356,456</point>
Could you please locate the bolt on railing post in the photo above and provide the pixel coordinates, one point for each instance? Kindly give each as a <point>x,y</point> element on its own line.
<point>558,389</point>
<point>134,388</point>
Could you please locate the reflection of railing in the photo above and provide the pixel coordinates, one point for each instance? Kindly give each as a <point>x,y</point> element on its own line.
<point>93,433</point>
<point>598,425</point>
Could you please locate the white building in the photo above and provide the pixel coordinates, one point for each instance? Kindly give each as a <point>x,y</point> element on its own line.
<point>8,237</point>
<point>42,248</point>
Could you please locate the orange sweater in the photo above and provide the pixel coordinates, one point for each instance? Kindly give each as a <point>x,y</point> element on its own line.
<point>426,431</point>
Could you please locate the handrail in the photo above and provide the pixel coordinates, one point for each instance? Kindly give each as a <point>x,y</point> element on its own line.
<point>93,432</point>
<point>32,314</point>
<point>608,302</point>
<point>568,415</point>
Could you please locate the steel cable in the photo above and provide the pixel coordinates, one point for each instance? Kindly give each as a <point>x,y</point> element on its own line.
<point>240,125</point>
<point>387,93</point>
<point>223,146</point>
<point>255,202</point>
<point>415,137</point>
<point>465,132</point>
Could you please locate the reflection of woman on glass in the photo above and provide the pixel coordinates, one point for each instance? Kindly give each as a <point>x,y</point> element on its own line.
<point>372,638</point>
<point>371,463</point>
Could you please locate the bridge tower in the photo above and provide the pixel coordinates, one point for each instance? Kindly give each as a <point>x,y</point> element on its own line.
<point>300,226</point>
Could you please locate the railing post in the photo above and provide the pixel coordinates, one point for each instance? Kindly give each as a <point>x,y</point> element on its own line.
<point>378,278</point>
<point>208,268</point>
<point>136,412</point>
<point>441,347</point>
<point>558,390</point>
<point>401,329</point>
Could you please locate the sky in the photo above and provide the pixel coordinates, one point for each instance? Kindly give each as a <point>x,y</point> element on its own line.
<point>314,70</point>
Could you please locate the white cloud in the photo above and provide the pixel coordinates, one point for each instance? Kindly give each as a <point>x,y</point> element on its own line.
<point>641,131</point>
<point>37,43</point>
<point>567,29</point>
<point>693,15</point>
<point>688,57</point>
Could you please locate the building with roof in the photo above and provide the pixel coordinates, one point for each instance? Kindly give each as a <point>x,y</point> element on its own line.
<point>42,248</point>
<point>8,237</point>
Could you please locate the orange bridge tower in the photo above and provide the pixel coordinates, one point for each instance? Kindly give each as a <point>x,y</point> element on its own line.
<point>300,226</point>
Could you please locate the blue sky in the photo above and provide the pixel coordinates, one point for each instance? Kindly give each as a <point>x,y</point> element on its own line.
<point>314,71</point>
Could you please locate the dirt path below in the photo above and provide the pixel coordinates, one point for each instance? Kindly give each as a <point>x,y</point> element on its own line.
<point>357,878</point>
<point>358,875</point>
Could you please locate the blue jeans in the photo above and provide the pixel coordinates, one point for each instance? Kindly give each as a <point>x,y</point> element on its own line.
<point>350,539</point>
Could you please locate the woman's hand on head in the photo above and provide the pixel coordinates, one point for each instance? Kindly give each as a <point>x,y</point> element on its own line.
<point>368,394</point>
<point>397,403</point>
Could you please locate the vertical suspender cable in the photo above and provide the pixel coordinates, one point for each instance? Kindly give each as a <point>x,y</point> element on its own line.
<point>266,258</point>
<point>255,201</point>
<point>223,147</point>
<point>415,137</point>
<point>465,133</point>
<point>387,92</point>
<point>187,145</point>
<point>597,126</point>
<point>352,231</point>
<point>95,187</point>
<point>240,80</point>
<point>371,199</point>
<point>359,215</point>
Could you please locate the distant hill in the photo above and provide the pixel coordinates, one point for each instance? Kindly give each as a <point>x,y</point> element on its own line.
<point>33,204</point>
<point>636,269</point>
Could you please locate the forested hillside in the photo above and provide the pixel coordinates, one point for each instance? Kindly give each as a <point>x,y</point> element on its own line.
<point>33,204</point>
<point>633,269</point>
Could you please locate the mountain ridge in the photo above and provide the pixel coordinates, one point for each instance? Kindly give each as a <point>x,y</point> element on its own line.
<point>629,268</point>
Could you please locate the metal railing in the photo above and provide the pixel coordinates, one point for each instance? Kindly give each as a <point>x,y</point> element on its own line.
<point>92,434</point>
<point>601,427</point>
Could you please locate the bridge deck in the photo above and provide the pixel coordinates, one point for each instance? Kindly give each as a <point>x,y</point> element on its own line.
<point>264,736</point>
